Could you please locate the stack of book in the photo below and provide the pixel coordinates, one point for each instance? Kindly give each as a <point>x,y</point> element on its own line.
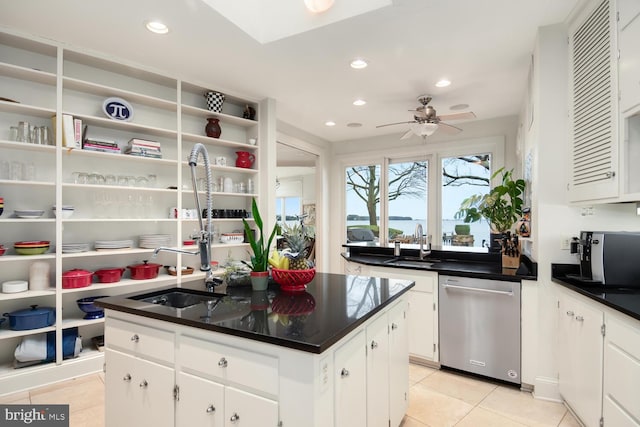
<point>102,145</point>
<point>143,148</point>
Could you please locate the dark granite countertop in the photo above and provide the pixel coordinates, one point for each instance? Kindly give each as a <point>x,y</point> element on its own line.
<point>464,263</point>
<point>313,320</point>
<point>624,299</point>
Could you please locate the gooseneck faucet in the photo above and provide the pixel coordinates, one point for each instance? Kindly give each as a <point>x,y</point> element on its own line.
<point>204,235</point>
<point>418,235</point>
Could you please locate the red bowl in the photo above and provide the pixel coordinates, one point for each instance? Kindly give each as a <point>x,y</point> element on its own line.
<point>76,278</point>
<point>2,251</point>
<point>32,244</point>
<point>109,275</point>
<point>293,280</point>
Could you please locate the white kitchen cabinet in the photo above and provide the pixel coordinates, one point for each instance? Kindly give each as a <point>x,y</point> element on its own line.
<point>580,349</point>
<point>378,372</point>
<point>49,79</point>
<point>621,406</point>
<point>355,269</point>
<point>422,311</point>
<point>140,391</point>
<point>398,362</point>
<point>200,402</point>
<point>629,62</point>
<point>350,379</point>
<point>594,164</point>
<point>245,409</point>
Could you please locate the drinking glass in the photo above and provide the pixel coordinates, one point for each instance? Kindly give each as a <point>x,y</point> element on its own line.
<point>30,171</point>
<point>24,134</point>
<point>17,170</point>
<point>13,133</point>
<point>36,135</point>
<point>5,169</point>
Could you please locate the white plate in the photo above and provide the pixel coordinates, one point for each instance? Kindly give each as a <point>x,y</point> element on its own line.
<point>15,286</point>
<point>28,214</point>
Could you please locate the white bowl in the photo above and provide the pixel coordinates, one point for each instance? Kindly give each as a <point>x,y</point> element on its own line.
<point>14,286</point>
<point>66,212</point>
<point>232,238</point>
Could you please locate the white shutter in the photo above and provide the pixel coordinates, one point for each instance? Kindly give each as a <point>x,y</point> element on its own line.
<point>594,134</point>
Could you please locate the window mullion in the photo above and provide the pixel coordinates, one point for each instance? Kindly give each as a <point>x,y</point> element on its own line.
<point>383,236</point>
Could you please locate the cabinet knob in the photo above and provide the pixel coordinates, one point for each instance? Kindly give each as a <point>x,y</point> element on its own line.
<point>344,373</point>
<point>235,417</point>
<point>211,409</point>
<point>374,345</point>
<point>223,363</point>
<point>579,318</point>
<point>394,326</point>
<point>144,384</point>
<point>570,313</point>
<point>127,377</point>
<point>135,338</point>
<point>609,174</point>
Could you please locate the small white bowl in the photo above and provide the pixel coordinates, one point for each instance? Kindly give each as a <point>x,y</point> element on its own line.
<point>232,238</point>
<point>15,286</point>
<point>66,212</point>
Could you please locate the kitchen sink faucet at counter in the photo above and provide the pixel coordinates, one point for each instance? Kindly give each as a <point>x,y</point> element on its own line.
<point>205,235</point>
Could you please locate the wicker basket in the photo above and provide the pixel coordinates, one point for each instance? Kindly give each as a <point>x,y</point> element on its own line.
<point>293,280</point>
<point>172,271</point>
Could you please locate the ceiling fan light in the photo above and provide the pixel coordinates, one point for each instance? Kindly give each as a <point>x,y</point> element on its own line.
<point>423,129</point>
<point>318,6</point>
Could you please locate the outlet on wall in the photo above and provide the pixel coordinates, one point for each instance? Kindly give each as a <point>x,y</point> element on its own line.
<point>565,243</point>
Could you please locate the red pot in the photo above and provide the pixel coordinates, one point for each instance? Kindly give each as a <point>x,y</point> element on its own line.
<point>76,278</point>
<point>109,275</point>
<point>144,271</point>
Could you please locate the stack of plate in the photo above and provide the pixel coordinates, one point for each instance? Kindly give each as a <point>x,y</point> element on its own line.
<point>34,247</point>
<point>74,248</point>
<point>112,244</point>
<point>28,213</point>
<point>152,241</point>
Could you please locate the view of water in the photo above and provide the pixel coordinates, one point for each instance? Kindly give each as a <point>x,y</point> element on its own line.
<point>480,230</point>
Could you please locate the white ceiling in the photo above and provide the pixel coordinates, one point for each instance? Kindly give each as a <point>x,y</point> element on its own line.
<point>482,46</point>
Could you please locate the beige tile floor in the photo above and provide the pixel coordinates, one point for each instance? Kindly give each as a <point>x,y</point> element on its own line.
<point>436,398</point>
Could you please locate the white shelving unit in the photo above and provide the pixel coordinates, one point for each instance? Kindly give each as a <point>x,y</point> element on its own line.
<point>48,80</point>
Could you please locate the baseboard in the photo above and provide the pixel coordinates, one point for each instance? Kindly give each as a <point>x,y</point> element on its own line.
<point>546,388</point>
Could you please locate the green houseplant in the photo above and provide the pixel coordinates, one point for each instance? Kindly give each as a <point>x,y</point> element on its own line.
<point>259,263</point>
<point>501,207</point>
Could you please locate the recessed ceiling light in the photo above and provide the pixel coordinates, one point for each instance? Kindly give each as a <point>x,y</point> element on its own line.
<point>459,107</point>
<point>330,123</point>
<point>354,125</point>
<point>359,63</point>
<point>318,6</point>
<point>157,27</point>
<point>359,102</point>
<point>443,83</point>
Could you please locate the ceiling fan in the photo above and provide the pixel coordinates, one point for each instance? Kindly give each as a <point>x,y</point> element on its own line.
<point>426,121</point>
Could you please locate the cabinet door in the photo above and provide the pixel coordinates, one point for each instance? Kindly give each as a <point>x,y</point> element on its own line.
<point>201,402</point>
<point>350,383</point>
<point>580,349</point>
<point>629,65</point>
<point>621,406</point>
<point>242,409</point>
<point>398,363</point>
<point>378,373</point>
<point>421,325</point>
<point>138,392</point>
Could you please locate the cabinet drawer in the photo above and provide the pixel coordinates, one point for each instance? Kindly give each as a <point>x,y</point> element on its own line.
<point>231,364</point>
<point>425,281</point>
<point>140,340</point>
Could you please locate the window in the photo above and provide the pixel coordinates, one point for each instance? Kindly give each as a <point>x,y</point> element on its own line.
<point>288,209</point>
<point>407,198</point>
<point>464,176</point>
<point>363,202</point>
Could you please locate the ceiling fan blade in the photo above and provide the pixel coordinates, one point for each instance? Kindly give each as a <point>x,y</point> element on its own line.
<point>458,116</point>
<point>393,124</point>
<point>448,129</point>
<point>407,134</point>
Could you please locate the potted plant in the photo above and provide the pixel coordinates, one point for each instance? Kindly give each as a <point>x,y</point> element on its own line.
<point>260,258</point>
<point>501,207</point>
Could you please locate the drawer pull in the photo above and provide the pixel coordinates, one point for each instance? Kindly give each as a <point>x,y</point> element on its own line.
<point>570,313</point>
<point>211,409</point>
<point>235,417</point>
<point>144,384</point>
<point>135,338</point>
<point>579,318</point>
<point>223,363</point>
<point>394,326</point>
<point>127,378</point>
<point>374,345</point>
<point>344,373</point>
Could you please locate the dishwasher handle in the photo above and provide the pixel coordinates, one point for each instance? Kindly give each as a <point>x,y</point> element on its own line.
<point>468,288</point>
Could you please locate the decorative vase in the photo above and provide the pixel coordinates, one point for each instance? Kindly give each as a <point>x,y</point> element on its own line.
<point>213,129</point>
<point>214,101</point>
<point>245,159</point>
<point>259,280</point>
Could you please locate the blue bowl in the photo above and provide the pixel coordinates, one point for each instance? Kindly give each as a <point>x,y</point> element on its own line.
<point>87,305</point>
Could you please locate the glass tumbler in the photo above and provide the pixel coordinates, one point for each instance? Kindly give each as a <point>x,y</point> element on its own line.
<point>24,133</point>
<point>17,171</point>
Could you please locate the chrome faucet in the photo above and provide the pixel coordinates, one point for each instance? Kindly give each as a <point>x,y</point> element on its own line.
<point>418,235</point>
<point>178,251</point>
<point>205,235</point>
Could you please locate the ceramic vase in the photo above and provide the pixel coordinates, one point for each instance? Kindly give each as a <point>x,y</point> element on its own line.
<point>259,280</point>
<point>214,101</point>
<point>245,159</point>
<point>213,129</point>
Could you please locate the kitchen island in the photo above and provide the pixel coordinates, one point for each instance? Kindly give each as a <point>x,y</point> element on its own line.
<point>333,355</point>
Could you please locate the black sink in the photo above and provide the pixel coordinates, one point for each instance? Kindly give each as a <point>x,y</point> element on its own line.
<point>178,299</point>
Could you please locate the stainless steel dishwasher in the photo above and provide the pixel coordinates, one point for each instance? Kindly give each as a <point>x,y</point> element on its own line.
<point>480,326</point>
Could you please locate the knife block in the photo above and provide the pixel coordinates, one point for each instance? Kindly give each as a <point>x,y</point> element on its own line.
<point>510,261</point>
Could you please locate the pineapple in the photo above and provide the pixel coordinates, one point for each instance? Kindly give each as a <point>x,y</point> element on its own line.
<point>298,240</point>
